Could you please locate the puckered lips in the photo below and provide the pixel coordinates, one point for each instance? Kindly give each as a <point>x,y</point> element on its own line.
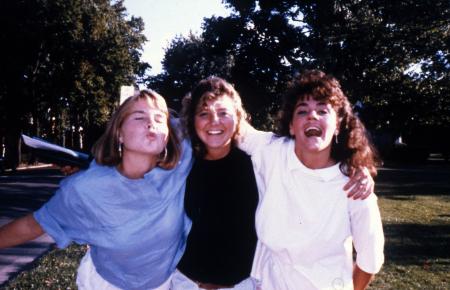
<point>313,131</point>
<point>151,135</point>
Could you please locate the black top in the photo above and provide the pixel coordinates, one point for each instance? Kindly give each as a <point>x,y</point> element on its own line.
<point>221,199</point>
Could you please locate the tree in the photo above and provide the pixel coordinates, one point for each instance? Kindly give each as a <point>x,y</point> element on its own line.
<point>393,56</point>
<point>63,66</point>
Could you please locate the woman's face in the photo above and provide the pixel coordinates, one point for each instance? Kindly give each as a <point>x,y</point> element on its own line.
<point>216,123</point>
<point>144,131</point>
<point>313,125</point>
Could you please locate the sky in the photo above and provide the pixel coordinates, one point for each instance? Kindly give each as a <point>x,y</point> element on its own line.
<point>165,19</point>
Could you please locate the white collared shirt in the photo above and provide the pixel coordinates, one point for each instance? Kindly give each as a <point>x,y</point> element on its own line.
<point>305,223</point>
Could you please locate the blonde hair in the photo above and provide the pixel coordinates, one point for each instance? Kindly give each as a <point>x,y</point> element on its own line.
<point>106,150</point>
<point>207,89</point>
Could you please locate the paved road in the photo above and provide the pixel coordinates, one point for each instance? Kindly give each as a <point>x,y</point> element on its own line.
<point>23,192</point>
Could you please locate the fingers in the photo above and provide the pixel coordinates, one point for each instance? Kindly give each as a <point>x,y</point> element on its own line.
<point>354,179</point>
<point>360,190</point>
<point>69,170</point>
<point>361,185</point>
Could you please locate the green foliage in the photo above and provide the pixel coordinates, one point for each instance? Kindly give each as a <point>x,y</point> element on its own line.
<point>393,56</point>
<point>65,62</point>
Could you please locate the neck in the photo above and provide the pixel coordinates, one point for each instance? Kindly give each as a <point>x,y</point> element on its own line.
<point>315,160</point>
<point>135,166</point>
<point>217,153</point>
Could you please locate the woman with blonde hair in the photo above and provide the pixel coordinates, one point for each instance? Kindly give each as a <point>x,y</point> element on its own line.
<point>127,206</point>
<point>221,194</point>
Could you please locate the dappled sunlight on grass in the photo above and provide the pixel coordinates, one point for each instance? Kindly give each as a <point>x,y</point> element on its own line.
<point>56,270</point>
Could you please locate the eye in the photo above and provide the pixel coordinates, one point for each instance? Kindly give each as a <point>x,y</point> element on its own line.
<point>301,112</point>
<point>322,112</point>
<point>159,119</point>
<point>224,113</point>
<point>141,119</point>
<point>202,114</point>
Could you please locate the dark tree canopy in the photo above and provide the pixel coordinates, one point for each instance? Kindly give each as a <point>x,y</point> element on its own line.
<point>63,63</point>
<point>392,56</point>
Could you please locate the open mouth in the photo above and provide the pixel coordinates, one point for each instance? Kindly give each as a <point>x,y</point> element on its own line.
<point>215,132</point>
<point>313,132</point>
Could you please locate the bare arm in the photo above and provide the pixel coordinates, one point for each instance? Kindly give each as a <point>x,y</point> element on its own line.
<point>361,279</point>
<point>20,231</point>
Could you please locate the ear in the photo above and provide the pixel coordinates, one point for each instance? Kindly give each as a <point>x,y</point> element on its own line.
<point>120,139</point>
<point>291,130</point>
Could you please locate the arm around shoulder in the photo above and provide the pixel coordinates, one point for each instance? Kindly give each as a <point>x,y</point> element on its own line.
<point>250,139</point>
<point>20,231</point>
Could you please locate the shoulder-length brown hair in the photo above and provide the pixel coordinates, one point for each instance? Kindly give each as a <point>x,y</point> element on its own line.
<point>210,88</point>
<point>353,149</point>
<point>106,150</point>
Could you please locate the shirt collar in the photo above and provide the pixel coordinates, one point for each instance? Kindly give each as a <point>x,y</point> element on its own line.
<point>293,163</point>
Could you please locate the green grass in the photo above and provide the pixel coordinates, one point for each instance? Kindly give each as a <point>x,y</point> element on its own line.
<point>417,231</point>
<point>56,270</point>
<point>415,207</point>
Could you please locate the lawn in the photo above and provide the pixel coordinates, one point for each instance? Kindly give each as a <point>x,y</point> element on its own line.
<point>415,207</point>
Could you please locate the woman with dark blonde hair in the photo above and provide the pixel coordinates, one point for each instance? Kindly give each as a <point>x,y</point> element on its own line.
<point>127,206</point>
<point>306,225</point>
<point>221,193</point>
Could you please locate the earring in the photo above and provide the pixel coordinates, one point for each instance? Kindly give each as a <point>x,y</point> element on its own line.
<point>336,136</point>
<point>164,155</point>
<point>120,150</point>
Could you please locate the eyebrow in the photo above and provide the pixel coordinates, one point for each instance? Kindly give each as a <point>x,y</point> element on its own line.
<point>206,108</point>
<point>143,112</point>
<point>137,112</point>
<point>304,104</point>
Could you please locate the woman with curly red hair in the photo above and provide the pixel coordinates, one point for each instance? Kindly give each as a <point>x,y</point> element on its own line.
<point>306,225</point>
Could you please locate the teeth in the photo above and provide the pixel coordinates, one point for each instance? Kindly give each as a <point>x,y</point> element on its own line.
<point>312,128</point>
<point>215,132</point>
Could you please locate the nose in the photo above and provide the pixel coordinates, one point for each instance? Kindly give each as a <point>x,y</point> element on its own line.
<point>312,114</point>
<point>214,118</point>
<point>150,124</point>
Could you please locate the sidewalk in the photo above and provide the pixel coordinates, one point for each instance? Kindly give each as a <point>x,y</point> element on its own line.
<point>22,192</point>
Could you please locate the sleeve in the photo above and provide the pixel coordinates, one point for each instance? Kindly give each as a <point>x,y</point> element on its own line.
<point>64,217</point>
<point>251,139</point>
<point>367,231</point>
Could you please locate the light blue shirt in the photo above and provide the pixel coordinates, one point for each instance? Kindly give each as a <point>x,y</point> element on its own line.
<point>136,229</point>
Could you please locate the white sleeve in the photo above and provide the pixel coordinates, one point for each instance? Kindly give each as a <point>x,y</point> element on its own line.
<point>250,139</point>
<point>367,231</point>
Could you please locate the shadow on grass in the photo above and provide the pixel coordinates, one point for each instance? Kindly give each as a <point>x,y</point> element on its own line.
<point>414,244</point>
<point>413,180</point>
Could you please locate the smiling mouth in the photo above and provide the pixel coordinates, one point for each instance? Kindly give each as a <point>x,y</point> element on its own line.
<point>215,132</point>
<point>313,132</point>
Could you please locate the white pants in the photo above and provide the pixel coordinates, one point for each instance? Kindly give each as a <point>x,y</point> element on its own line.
<point>181,282</point>
<point>89,279</point>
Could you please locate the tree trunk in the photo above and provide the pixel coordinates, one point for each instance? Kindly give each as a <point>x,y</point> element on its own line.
<point>12,148</point>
